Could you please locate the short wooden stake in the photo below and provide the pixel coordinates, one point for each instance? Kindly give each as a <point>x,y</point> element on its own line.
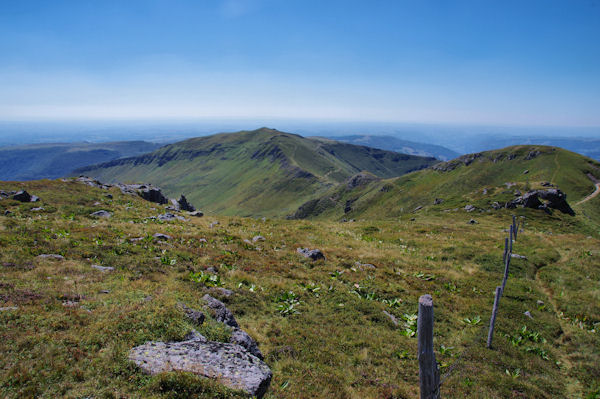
<point>429,373</point>
<point>493,319</point>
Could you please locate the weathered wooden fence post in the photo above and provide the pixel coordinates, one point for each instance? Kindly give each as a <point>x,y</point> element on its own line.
<point>515,227</point>
<point>429,373</point>
<point>505,251</point>
<point>510,238</point>
<point>493,319</point>
<point>506,270</point>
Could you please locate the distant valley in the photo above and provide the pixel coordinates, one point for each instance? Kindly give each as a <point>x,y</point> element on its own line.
<point>54,160</point>
<point>392,143</point>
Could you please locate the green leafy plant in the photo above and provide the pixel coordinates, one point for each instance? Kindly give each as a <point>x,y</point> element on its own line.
<point>288,303</point>
<point>410,324</point>
<point>473,321</point>
<point>208,279</point>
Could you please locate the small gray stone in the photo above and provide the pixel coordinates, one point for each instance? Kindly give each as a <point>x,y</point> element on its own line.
<point>314,254</point>
<point>101,214</point>
<point>195,316</point>
<point>162,237</point>
<point>197,214</point>
<point>221,291</point>
<point>469,208</point>
<point>528,314</point>
<point>103,268</point>
<point>258,238</point>
<point>8,308</point>
<point>51,256</point>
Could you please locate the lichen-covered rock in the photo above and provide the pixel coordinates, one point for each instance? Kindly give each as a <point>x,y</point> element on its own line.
<point>230,364</point>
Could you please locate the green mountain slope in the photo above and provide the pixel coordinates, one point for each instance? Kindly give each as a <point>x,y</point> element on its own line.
<point>260,172</point>
<point>53,160</point>
<point>477,179</point>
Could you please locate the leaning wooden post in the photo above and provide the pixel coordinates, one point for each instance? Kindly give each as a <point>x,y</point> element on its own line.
<point>510,239</point>
<point>515,227</point>
<point>505,251</point>
<point>429,373</point>
<point>493,319</point>
<point>506,270</point>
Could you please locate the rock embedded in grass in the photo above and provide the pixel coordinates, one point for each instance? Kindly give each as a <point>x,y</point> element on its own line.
<point>103,268</point>
<point>314,254</point>
<point>221,313</point>
<point>228,363</point>
<point>101,214</point>
<point>51,256</point>
<point>162,237</point>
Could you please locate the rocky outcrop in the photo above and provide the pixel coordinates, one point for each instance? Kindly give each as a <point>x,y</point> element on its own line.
<point>21,196</point>
<point>220,311</point>
<point>184,205</point>
<point>543,199</point>
<point>228,363</point>
<point>361,179</point>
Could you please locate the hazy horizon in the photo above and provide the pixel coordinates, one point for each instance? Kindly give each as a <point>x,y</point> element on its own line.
<point>467,62</point>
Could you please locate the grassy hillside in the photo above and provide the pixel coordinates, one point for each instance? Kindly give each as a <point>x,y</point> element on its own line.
<point>54,160</point>
<point>392,143</point>
<point>477,179</point>
<point>66,328</point>
<point>260,172</point>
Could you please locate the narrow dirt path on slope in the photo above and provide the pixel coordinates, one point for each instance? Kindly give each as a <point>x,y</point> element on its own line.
<point>573,386</point>
<point>595,193</point>
<point>557,169</point>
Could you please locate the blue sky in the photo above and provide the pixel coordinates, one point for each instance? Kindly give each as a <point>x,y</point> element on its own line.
<point>482,62</point>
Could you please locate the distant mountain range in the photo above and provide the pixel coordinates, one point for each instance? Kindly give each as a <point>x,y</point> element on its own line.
<point>391,143</point>
<point>259,172</point>
<point>51,161</point>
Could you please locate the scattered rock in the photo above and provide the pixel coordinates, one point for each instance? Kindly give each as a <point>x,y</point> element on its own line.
<point>496,205</point>
<point>51,256</point>
<point>70,304</point>
<point>197,214</point>
<point>314,254</point>
<point>195,316</point>
<point>438,201</point>
<point>485,191</point>
<point>469,208</point>
<point>213,224</point>
<point>162,237</point>
<point>241,337</point>
<point>109,196</point>
<point>101,214</point>
<point>363,266</point>
<point>212,270</point>
<point>528,314</point>
<point>517,256</point>
<point>540,302</point>
<point>167,217</point>
<point>532,154</point>
<point>203,240</point>
<point>37,209</point>
<point>21,196</point>
<point>526,171</point>
<point>152,194</point>
<point>229,364</point>
<point>472,221</point>
<point>391,317</point>
<point>547,184</point>
<point>7,212</point>
<point>221,313</point>
<point>258,238</point>
<point>104,291</point>
<point>7,308</point>
<point>136,239</point>
<point>418,208</point>
<point>103,268</point>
